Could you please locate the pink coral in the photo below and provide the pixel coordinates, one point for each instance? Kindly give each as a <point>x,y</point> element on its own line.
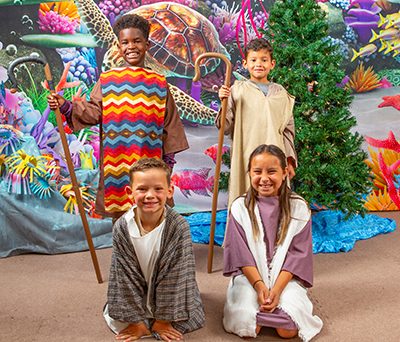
<point>57,23</point>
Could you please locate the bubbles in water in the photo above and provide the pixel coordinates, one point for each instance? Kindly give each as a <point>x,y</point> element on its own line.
<point>11,50</point>
<point>13,33</point>
<point>1,46</point>
<point>34,54</point>
<point>26,20</point>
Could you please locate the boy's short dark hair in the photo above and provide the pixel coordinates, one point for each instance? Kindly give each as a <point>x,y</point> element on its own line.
<point>132,21</point>
<point>257,45</point>
<point>144,164</point>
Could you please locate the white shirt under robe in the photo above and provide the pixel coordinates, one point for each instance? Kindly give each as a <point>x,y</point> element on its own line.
<point>297,260</point>
<point>147,249</point>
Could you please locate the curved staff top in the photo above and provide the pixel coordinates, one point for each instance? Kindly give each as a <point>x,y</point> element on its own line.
<point>67,153</point>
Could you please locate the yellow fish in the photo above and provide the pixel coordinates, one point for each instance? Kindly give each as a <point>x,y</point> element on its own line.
<point>383,20</point>
<point>393,19</point>
<point>387,34</point>
<point>388,46</point>
<point>395,48</point>
<point>364,51</point>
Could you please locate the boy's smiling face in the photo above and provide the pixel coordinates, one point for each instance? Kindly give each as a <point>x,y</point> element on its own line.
<point>133,46</point>
<point>259,64</point>
<point>150,191</point>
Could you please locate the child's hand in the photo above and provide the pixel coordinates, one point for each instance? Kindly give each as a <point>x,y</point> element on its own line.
<point>133,332</point>
<point>55,101</point>
<point>224,92</point>
<point>262,292</point>
<point>166,331</point>
<point>271,302</point>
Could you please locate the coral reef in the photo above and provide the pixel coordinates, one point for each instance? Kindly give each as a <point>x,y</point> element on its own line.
<point>58,17</point>
<point>379,201</point>
<point>363,80</point>
<point>363,17</point>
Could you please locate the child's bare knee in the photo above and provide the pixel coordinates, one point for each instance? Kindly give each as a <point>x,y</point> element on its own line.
<point>285,333</point>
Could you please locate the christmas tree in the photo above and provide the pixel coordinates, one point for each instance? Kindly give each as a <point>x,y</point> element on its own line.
<point>331,170</point>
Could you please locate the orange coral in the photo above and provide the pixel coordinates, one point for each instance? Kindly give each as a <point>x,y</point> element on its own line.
<point>378,201</point>
<point>362,80</point>
<point>390,157</point>
<point>65,8</point>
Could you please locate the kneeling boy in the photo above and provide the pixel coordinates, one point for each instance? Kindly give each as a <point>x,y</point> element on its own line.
<point>152,287</point>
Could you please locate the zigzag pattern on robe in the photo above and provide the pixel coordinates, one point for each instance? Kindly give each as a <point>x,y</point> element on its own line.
<point>133,121</point>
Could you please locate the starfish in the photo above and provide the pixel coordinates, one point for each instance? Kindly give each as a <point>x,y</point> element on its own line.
<point>390,143</point>
<point>388,173</point>
<point>391,101</point>
<point>63,84</point>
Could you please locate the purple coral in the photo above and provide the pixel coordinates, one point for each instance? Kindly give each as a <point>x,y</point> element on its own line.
<point>363,17</point>
<point>56,23</point>
<point>114,8</point>
<point>226,30</point>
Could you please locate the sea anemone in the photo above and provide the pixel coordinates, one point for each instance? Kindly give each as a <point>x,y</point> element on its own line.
<point>17,184</point>
<point>27,165</point>
<point>10,139</point>
<point>42,186</point>
<point>379,201</point>
<point>362,80</point>
<point>58,17</point>
<point>72,205</point>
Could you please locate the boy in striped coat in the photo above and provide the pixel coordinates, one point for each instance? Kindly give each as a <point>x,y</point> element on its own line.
<point>137,116</point>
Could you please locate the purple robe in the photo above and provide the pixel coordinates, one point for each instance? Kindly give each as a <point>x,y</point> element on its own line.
<point>298,261</point>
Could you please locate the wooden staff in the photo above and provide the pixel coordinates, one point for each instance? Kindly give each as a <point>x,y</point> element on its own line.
<point>71,169</point>
<point>218,161</point>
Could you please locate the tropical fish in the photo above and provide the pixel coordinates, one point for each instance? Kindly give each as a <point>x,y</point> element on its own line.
<point>196,181</point>
<point>388,34</point>
<point>383,21</point>
<point>393,20</point>
<point>212,151</point>
<point>395,48</point>
<point>364,51</point>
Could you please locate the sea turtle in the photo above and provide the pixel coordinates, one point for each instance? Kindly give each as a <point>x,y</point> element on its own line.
<point>178,35</point>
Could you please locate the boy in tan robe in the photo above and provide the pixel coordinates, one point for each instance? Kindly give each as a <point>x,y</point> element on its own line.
<point>258,112</point>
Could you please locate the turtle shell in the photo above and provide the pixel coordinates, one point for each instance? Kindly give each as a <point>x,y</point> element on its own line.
<point>178,35</point>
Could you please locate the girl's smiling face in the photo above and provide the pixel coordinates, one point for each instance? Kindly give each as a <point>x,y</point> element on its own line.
<point>267,175</point>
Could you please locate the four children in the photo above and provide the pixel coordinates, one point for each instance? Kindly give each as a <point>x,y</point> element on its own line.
<point>152,286</point>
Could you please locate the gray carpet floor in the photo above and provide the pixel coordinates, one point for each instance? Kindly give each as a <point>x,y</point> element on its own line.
<point>57,297</point>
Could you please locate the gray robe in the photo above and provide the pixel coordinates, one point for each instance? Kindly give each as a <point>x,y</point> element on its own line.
<point>175,296</point>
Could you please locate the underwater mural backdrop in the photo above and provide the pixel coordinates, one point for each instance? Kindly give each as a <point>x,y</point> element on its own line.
<point>77,39</point>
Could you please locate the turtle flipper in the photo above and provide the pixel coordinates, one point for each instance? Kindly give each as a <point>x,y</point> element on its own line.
<point>191,110</point>
<point>97,23</point>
